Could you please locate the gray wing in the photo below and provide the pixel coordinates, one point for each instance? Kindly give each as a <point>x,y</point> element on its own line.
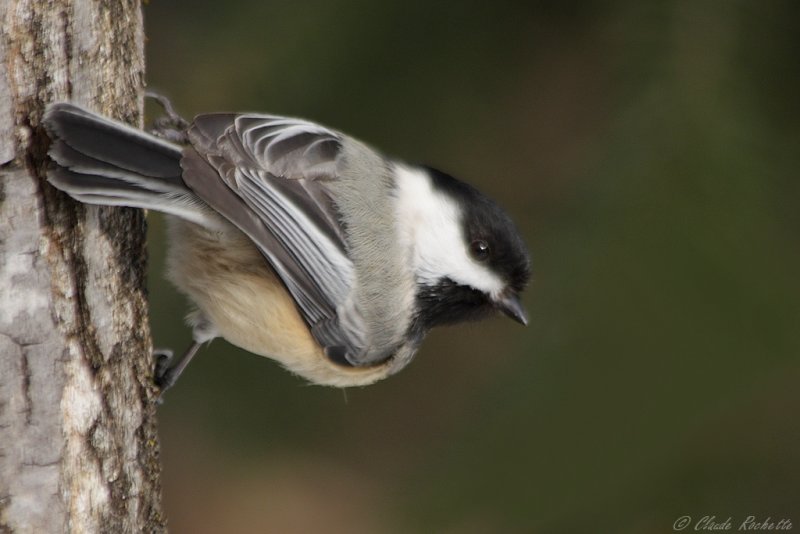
<point>267,176</point>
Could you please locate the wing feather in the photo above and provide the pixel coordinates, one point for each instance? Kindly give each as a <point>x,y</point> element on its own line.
<point>276,168</point>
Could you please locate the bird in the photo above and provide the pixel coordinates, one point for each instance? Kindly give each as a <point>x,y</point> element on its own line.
<point>295,241</point>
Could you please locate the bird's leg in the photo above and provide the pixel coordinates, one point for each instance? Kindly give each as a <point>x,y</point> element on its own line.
<point>165,375</point>
<point>172,127</point>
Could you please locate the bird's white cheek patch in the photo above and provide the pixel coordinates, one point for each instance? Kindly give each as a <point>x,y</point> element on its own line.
<point>430,228</point>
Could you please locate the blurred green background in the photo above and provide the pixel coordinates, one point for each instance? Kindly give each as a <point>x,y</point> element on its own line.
<point>649,151</point>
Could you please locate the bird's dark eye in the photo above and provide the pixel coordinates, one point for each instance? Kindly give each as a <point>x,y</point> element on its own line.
<point>479,250</point>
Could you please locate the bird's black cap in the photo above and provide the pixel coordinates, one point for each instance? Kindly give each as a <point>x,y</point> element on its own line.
<point>485,221</point>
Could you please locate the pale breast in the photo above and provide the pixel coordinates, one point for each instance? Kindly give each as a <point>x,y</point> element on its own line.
<point>231,284</point>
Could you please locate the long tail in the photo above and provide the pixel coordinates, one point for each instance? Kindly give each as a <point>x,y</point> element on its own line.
<point>105,162</point>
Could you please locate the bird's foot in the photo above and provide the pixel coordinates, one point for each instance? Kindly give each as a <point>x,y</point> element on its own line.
<point>171,127</point>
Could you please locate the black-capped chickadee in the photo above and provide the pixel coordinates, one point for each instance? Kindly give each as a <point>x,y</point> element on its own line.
<point>297,242</point>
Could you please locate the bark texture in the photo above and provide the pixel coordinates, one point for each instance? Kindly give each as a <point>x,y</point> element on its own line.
<point>78,444</point>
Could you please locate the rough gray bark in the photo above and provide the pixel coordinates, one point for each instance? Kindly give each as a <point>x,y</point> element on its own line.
<point>78,444</point>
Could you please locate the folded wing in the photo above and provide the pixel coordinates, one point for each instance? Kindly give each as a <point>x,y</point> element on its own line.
<point>267,176</point>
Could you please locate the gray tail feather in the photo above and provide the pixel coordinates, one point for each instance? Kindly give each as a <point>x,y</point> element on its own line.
<point>101,161</point>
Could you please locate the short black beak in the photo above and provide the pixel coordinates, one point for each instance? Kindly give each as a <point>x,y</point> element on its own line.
<point>511,306</point>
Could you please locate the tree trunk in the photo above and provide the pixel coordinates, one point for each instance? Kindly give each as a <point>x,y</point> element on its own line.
<point>78,443</point>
